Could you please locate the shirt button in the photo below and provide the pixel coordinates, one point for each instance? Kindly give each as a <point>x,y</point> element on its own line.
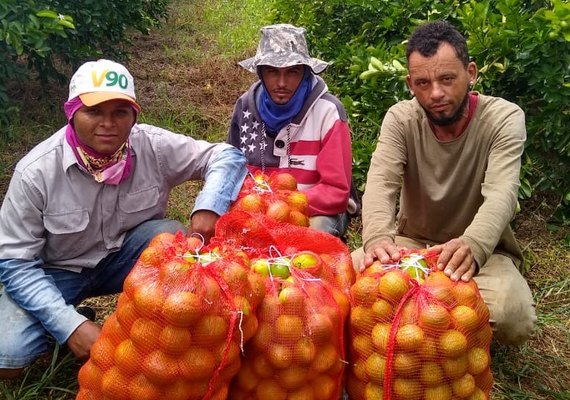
<point>280,144</point>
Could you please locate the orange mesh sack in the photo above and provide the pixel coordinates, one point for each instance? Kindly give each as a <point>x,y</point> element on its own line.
<point>275,196</point>
<point>321,254</point>
<point>178,329</point>
<point>298,351</point>
<point>415,334</point>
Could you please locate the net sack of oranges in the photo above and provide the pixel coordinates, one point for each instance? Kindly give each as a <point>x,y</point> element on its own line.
<point>178,329</point>
<point>321,254</point>
<point>298,351</point>
<point>276,196</point>
<point>415,334</point>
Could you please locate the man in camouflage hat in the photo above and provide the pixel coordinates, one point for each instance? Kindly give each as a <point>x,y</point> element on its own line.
<point>288,122</point>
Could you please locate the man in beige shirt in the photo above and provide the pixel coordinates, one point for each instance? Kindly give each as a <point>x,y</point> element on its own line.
<point>454,158</point>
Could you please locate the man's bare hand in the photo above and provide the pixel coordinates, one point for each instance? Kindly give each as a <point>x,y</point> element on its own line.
<point>384,251</point>
<point>82,339</point>
<point>455,259</point>
<point>204,222</point>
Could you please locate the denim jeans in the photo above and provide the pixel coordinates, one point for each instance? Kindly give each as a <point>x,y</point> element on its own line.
<point>336,225</point>
<point>24,338</point>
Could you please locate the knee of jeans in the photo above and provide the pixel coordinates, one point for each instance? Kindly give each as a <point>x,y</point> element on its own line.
<point>515,326</point>
<point>149,229</point>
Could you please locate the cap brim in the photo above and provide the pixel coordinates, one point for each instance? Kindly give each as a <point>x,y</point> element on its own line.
<point>251,64</point>
<point>94,98</point>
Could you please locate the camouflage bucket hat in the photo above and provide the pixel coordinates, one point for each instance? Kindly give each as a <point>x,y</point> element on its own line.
<point>283,45</point>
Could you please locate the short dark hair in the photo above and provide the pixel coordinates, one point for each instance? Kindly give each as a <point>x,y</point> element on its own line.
<point>427,38</point>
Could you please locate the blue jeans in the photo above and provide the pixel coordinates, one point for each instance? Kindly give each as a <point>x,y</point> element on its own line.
<point>336,225</point>
<point>24,338</point>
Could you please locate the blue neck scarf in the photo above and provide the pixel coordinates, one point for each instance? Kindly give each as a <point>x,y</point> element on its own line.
<point>276,116</point>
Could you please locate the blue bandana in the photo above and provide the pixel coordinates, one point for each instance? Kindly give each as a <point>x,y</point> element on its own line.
<point>276,116</point>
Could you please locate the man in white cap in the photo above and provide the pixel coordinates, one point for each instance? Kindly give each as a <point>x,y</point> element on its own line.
<point>84,203</point>
<point>289,122</point>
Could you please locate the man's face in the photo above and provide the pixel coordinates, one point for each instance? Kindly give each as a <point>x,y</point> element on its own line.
<point>105,126</point>
<point>441,84</point>
<point>281,83</point>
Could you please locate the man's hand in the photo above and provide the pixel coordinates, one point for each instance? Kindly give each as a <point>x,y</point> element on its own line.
<point>204,222</point>
<point>82,339</point>
<point>455,259</point>
<point>384,251</point>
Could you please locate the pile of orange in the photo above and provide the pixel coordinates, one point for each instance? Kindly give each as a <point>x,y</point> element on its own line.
<point>275,196</point>
<point>298,350</point>
<point>178,328</point>
<point>422,338</point>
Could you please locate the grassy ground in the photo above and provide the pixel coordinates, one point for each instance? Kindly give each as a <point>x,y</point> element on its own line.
<point>187,80</point>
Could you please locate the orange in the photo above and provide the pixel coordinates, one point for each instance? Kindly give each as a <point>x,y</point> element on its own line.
<point>453,343</point>
<point>288,328</point>
<point>440,392</point>
<point>342,302</point>
<point>235,275</point>
<point>409,337</point>
<point>292,300</point>
<point>429,349</point>
<point>320,328</point>
<point>278,210</point>
<point>86,394</point>
<point>305,392</point>
<point>210,329</point>
<point>128,358</point>
<point>181,309</point>
<point>102,353</point>
<point>177,390</point>
<point>373,391</point>
<point>466,293</point>
<point>327,358</point>
<point>280,356</point>
<point>148,300</point>
<point>126,312</point>
<point>478,394</point>
<point>305,351</point>
<point>362,345</point>
<point>174,270</point>
<point>269,309</point>
<point>364,291</point>
<point>230,370</point>
<point>145,334</point>
<point>283,181</point>
<point>161,240</point>
<point>160,368</point>
<point>140,388</point>
<point>262,367</point>
<point>375,368</point>
<point>89,376</point>
<point>324,387</point>
<point>246,378</point>
<point>394,285</point>
<point>298,218</point>
<point>406,364</point>
<point>252,203</point>
<point>270,389</point>
<point>197,363</point>
<point>262,338</point>
<point>150,257</point>
<point>113,328</point>
<point>362,319</point>
<point>407,389</point>
<point>359,370</point>
<point>434,318</point>
<point>355,388</point>
<point>114,384</point>
<point>440,286</point>
<point>485,380</point>
<point>140,275</point>
<point>409,312</point>
<point>382,310</point>
<point>174,340</point>
<point>455,367</point>
<point>249,326</point>
<point>465,317</point>
<point>232,349</point>
<point>298,201</point>
<point>464,386</point>
<point>308,261</point>
<point>257,289</point>
<point>380,336</point>
<point>431,374</point>
<point>482,337</point>
<point>292,377</point>
<point>478,359</point>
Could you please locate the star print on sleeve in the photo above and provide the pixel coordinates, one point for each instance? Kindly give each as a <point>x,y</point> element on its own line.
<point>255,125</point>
<point>243,139</point>
<point>253,136</point>
<point>244,128</point>
<point>246,114</point>
<point>251,147</point>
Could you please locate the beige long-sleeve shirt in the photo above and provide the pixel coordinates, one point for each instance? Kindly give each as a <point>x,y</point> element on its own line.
<point>464,188</point>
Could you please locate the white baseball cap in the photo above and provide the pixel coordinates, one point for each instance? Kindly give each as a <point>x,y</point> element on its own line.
<point>102,80</point>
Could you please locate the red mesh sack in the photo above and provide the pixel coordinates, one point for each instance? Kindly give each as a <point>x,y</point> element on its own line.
<point>275,196</point>
<point>179,327</point>
<point>321,254</point>
<point>416,334</point>
<point>298,351</point>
